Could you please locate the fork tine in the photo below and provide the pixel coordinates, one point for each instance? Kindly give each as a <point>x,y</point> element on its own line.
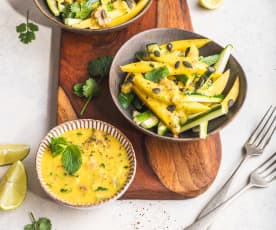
<point>272,176</point>
<point>270,169</point>
<point>268,134</point>
<point>268,113</point>
<point>265,164</point>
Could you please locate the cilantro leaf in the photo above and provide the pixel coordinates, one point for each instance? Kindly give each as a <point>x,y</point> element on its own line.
<point>27,31</point>
<point>29,227</point>
<point>90,88</point>
<point>97,68</point>
<point>77,89</point>
<point>210,60</point>
<point>44,224</point>
<point>21,28</point>
<point>125,99</point>
<point>33,27</point>
<point>71,159</point>
<point>157,74</point>
<point>58,145</point>
<point>100,67</point>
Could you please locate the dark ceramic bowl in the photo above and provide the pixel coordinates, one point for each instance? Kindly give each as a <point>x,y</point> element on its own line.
<point>43,7</point>
<point>162,35</point>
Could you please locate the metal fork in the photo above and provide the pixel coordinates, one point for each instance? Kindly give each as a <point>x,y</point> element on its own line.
<point>260,178</point>
<point>254,146</point>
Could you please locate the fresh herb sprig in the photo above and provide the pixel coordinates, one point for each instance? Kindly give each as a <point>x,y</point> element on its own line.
<point>88,90</point>
<point>42,223</point>
<point>71,155</point>
<point>97,69</point>
<point>27,31</point>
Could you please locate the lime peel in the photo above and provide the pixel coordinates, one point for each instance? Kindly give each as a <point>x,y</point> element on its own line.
<point>10,153</point>
<point>13,187</point>
<point>210,4</point>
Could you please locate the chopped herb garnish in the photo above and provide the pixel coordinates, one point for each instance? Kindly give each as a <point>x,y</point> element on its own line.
<point>101,189</point>
<point>49,185</point>
<point>65,190</point>
<point>102,165</point>
<point>126,166</point>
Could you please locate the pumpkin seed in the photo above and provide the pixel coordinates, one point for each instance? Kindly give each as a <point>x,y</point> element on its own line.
<point>177,64</point>
<point>169,47</point>
<point>187,64</point>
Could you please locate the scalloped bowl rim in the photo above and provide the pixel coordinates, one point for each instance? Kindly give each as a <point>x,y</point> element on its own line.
<point>86,123</point>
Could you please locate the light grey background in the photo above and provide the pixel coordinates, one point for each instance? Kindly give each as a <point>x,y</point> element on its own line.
<point>28,80</point>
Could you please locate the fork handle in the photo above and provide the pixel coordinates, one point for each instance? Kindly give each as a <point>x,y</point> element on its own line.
<point>219,197</point>
<point>205,221</point>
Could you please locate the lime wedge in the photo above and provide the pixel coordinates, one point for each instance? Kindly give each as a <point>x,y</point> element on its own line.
<point>13,187</point>
<point>10,153</point>
<point>52,4</point>
<point>210,4</point>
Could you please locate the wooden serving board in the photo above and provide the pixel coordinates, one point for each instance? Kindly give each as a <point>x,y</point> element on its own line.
<point>187,168</point>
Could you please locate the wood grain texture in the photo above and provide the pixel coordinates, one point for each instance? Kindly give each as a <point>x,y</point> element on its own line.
<point>187,168</point>
<point>77,50</point>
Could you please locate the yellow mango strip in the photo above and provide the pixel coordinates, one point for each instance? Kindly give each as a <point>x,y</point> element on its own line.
<point>218,86</point>
<point>232,94</point>
<point>169,94</point>
<point>171,60</point>
<point>149,88</point>
<point>141,67</point>
<point>132,13</point>
<point>193,52</point>
<point>170,119</point>
<point>184,44</point>
<point>146,66</point>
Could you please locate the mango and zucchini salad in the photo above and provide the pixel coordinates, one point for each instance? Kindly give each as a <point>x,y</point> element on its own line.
<point>171,88</point>
<point>96,14</point>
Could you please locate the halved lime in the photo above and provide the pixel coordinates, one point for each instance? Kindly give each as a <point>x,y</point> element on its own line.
<point>52,4</point>
<point>13,187</point>
<point>10,153</point>
<point>210,4</point>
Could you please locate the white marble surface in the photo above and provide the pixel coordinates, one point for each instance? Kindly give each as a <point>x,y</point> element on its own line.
<point>27,96</point>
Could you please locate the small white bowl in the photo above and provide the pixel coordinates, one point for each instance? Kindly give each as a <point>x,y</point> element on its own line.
<point>86,123</point>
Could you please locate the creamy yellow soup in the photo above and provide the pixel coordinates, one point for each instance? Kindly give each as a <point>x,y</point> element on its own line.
<point>104,169</point>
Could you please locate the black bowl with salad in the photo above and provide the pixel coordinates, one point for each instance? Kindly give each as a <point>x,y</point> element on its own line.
<point>177,85</point>
<point>93,16</point>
